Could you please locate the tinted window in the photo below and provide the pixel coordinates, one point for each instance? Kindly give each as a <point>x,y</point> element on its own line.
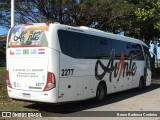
<point>134,51</point>
<point>69,43</point>
<point>118,46</point>
<point>78,45</point>
<point>104,47</point>
<point>88,46</point>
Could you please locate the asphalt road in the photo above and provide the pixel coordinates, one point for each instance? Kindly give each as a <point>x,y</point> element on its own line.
<point>131,100</point>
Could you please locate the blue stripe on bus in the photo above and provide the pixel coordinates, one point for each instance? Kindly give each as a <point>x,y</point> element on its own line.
<point>41,52</point>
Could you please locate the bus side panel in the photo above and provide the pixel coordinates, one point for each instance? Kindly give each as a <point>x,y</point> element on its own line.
<point>77,78</point>
<point>139,73</point>
<point>88,86</point>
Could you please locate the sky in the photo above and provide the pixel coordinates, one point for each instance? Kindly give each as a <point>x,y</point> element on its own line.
<point>158,50</point>
<point>4,31</point>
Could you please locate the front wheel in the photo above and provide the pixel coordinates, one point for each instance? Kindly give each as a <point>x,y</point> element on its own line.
<point>101,92</point>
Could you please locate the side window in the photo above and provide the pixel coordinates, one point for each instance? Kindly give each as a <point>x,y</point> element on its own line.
<point>129,45</point>
<point>62,40</point>
<point>138,46</point>
<point>104,48</point>
<point>69,43</point>
<point>88,46</point>
<point>131,52</point>
<point>119,48</point>
<point>146,50</point>
<point>134,51</point>
<point>139,52</point>
<point>78,45</point>
<point>72,44</point>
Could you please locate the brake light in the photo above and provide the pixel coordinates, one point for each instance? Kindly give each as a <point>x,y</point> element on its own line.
<point>51,82</point>
<point>8,79</point>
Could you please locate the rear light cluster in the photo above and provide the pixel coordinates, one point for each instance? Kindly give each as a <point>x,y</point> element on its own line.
<point>8,79</point>
<point>51,82</point>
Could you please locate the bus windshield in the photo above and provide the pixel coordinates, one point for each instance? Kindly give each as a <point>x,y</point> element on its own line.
<point>28,36</point>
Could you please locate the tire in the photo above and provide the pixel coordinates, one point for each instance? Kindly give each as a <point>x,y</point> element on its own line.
<point>100,93</point>
<point>141,84</point>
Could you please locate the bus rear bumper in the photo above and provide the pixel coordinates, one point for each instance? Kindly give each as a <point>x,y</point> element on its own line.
<point>36,96</point>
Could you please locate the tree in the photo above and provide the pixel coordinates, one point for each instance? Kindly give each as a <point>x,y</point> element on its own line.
<point>146,21</point>
<point>92,13</point>
<point>2,50</point>
<point>5,13</point>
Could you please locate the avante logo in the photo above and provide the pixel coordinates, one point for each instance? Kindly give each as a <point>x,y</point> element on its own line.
<point>12,52</point>
<point>26,51</point>
<point>121,68</point>
<point>41,51</point>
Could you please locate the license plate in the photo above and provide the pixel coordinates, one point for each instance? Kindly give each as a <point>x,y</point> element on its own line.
<point>28,95</point>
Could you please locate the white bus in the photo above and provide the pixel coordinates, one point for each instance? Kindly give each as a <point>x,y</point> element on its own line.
<point>55,63</point>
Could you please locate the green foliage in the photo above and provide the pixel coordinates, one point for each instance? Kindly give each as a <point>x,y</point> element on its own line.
<point>149,10</point>
<point>144,20</point>
<point>157,25</point>
<point>143,14</point>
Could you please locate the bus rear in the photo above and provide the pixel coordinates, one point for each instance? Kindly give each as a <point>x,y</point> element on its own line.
<point>29,75</point>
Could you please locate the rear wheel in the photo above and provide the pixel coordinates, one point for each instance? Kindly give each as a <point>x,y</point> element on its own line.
<point>101,92</point>
<point>141,84</point>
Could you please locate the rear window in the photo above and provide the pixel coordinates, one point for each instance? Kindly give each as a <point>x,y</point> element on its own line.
<point>24,36</point>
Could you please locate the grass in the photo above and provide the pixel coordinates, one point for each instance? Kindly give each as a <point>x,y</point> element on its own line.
<point>6,103</point>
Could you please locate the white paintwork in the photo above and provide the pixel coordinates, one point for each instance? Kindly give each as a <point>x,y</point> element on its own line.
<point>81,85</point>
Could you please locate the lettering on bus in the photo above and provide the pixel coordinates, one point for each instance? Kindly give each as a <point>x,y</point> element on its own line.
<point>120,68</point>
<point>67,72</point>
<point>32,35</point>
